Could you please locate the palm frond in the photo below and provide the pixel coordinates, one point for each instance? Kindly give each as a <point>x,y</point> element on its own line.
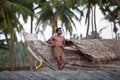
<point>102,29</point>
<point>19,9</point>
<point>44,14</point>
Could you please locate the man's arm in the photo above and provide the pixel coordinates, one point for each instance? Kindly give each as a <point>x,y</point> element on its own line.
<point>50,41</point>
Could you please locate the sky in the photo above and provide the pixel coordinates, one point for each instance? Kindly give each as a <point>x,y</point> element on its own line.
<point>107,33</point>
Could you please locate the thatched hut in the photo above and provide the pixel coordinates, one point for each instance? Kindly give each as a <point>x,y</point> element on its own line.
<point>98,50</point>
<point>76,51</point>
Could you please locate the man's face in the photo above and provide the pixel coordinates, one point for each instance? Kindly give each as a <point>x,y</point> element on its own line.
<point>59,32</point>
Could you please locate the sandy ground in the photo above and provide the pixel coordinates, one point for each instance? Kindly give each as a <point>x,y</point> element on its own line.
<point>110,71</point>
<point>47,74</point>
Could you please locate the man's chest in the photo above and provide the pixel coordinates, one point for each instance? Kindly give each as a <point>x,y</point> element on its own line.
<point>59,39</point>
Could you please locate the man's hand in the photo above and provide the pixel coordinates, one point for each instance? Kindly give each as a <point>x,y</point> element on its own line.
<point>49,41</point>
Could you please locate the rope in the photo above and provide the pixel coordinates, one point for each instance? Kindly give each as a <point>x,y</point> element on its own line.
<point>38,66</point>
<point>38,59</point>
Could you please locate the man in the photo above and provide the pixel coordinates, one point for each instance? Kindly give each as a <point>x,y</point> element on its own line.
<point>58,43</point>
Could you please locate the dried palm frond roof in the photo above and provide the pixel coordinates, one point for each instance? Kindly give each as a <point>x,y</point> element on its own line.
<point>94,49</point>
<point>114,45</point>
<point>97,50</point>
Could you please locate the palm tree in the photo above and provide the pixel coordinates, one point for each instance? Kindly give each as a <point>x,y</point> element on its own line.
<point>111,14</point>
<point>9,11</point>
<point>29,5</point>
<point>88,17</point>
<point>105,6</point>
<point>90,5</point>
<point>53,11</point>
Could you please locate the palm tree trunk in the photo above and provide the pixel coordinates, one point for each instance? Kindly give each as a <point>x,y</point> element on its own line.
<point>10,51</point>
<point>54,24</point>
<point>92,19</point>
<point>88,15</point>
<point>95,21</point>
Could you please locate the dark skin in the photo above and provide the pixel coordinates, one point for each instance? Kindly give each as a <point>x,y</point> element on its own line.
<point>58,41</point>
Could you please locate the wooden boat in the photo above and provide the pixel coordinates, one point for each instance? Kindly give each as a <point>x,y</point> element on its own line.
<point>76,52</point>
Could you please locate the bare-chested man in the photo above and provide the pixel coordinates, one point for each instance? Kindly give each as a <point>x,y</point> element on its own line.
<point>58,43</point>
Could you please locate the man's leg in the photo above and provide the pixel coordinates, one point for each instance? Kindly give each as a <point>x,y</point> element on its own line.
<point>58,62</point>
<point>62,58</point>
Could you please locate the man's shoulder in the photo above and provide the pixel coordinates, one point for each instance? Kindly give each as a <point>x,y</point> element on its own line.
<point>56,37</point>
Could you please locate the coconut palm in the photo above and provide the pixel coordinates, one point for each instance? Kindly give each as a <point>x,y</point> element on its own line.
<point>54,10</point>
<point>29,5</point>
<point>111,10</point>
<point>8,11</point>
<point>105,6</point>
<point>90,6</point>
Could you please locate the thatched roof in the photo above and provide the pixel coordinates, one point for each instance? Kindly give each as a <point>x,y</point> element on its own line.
<point>114,45</point>
<point>96,50</point>
<point>99,50</point>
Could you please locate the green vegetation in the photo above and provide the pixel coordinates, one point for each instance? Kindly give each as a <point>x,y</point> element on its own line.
<point>4,58</point>
<point>20,56</point>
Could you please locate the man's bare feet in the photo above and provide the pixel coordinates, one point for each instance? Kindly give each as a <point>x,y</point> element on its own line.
<point>62,66</point>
